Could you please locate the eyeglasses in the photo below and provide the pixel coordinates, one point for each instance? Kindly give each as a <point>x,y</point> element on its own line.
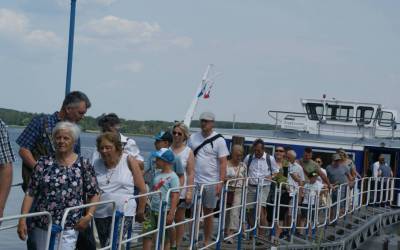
<point>318,161</point>
<point>279,150</point>
<point>177,133</point>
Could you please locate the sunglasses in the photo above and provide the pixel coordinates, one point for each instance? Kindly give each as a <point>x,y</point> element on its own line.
<point>279,150</point>
<point>177,133</point>
<point>318,161</point>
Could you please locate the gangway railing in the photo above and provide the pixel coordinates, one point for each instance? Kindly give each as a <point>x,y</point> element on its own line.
<point>201,216</point>
<point>163,225</point>
<point>31,215</point>
<point>155,232</point>
<point>81,207</point>
<point>346,199</point>
<point>234,206</point>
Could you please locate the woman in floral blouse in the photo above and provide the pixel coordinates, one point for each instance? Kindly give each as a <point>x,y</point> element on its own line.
<point>59,182</point>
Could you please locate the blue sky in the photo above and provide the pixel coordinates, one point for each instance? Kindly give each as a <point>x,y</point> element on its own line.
<point>144,59</point>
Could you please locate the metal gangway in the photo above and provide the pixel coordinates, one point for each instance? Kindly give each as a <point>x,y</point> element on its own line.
<point>341,218</point>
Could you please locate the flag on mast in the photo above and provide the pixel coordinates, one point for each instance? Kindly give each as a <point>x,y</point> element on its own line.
<point>203,89</point>
<point>207,93</point>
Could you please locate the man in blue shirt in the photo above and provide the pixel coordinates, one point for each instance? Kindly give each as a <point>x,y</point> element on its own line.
<point>6,159</point>
<point>36,139</point>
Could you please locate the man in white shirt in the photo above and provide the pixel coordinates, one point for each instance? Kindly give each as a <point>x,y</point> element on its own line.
<point>211,153</point>
<point>378,165</point>
<point>262,168</point>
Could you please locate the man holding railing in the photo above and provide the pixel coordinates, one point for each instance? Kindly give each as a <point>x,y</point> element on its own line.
<point>262,168</point>
<point>211,153</point>
<point>6,159</point>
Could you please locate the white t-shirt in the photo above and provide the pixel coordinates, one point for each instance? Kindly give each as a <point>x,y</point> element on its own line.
<point>259,168</point>
<point>294,169</point>
<point>311,191</point>
<point>375,169</point>
<point>184,157</point>
<point>319,179</point>
<point>207,167</point>
<point>130,148</point>
<point>117,184</point>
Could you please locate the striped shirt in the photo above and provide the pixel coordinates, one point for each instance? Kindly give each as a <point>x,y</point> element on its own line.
<point>6,152</point>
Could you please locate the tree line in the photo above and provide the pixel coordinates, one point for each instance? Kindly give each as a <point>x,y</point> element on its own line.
<point>151,127</point>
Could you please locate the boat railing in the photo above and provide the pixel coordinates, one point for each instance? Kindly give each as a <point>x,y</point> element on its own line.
<point>253,207</point>
<point>324,207</point>
<point>155,232</point>
<point>49,239</point>
<point>279,117</point>
<point>82,207</point>
<point>192,220</point>
<point>233,183</point>
<point>201,216</point>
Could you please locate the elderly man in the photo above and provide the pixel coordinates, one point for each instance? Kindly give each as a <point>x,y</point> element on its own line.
<point>211,153</point>
<point>338,174</point>
<point>36,140</point>
<point>6,159</point>
<point>261,166</point>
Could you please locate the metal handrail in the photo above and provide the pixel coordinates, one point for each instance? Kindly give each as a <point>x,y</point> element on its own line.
<point>163,224</point>
<point>241,205</point>
<point>200,217</point>
<point>30,215</point>
<point>157,231</point>
<point>67,211</point>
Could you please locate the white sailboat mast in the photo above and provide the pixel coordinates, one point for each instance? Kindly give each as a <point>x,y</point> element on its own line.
<point>193,105</point>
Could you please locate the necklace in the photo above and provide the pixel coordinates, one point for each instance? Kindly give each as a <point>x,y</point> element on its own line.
<point>109,174</point>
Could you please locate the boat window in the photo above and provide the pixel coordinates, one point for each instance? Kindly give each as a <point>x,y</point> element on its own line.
<point>340,113</point>
<point>385,119</point>
<point>364,114</point>
<point>315,111</point>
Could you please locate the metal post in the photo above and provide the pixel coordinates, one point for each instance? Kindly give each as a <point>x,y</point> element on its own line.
<point>70,47</point>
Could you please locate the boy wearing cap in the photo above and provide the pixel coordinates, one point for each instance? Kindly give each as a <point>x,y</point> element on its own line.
<point>309,192</point>
<point>163,181</point>
<point>163,140</point>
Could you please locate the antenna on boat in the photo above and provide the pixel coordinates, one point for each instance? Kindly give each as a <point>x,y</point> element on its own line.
<point>203,90</point>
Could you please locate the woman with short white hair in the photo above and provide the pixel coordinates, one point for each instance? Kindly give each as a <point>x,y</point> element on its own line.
<point>60,181</point>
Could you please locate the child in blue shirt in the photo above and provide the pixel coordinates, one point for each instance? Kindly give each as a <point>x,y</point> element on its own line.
<point>163,181</point>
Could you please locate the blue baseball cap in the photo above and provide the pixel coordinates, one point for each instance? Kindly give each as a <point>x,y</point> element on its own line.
<point>165,154</point>
<point>163,136</point>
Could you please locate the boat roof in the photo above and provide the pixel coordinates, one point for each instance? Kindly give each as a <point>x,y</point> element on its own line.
<point>291,137</point>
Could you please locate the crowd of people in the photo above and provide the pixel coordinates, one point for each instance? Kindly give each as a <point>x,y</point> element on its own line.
<point>56,176</point>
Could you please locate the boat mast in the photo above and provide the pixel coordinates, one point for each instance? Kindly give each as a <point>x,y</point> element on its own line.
<point>193,105</point>
<point>70,47</point>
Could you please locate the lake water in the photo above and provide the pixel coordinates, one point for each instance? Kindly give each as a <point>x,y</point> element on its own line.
<point>9,239</point>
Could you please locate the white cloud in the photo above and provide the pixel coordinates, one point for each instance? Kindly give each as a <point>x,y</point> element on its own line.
<point>113,32</point>
<point>134,67</point>
<point>17,26</point>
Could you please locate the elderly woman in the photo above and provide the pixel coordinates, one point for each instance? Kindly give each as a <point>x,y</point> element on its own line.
<point>58,182</point>
<point>180,134</point>
<point>117,173</point>
<point>236,169</point>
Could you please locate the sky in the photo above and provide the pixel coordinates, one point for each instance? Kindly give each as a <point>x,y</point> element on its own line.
<point>144,59</point>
